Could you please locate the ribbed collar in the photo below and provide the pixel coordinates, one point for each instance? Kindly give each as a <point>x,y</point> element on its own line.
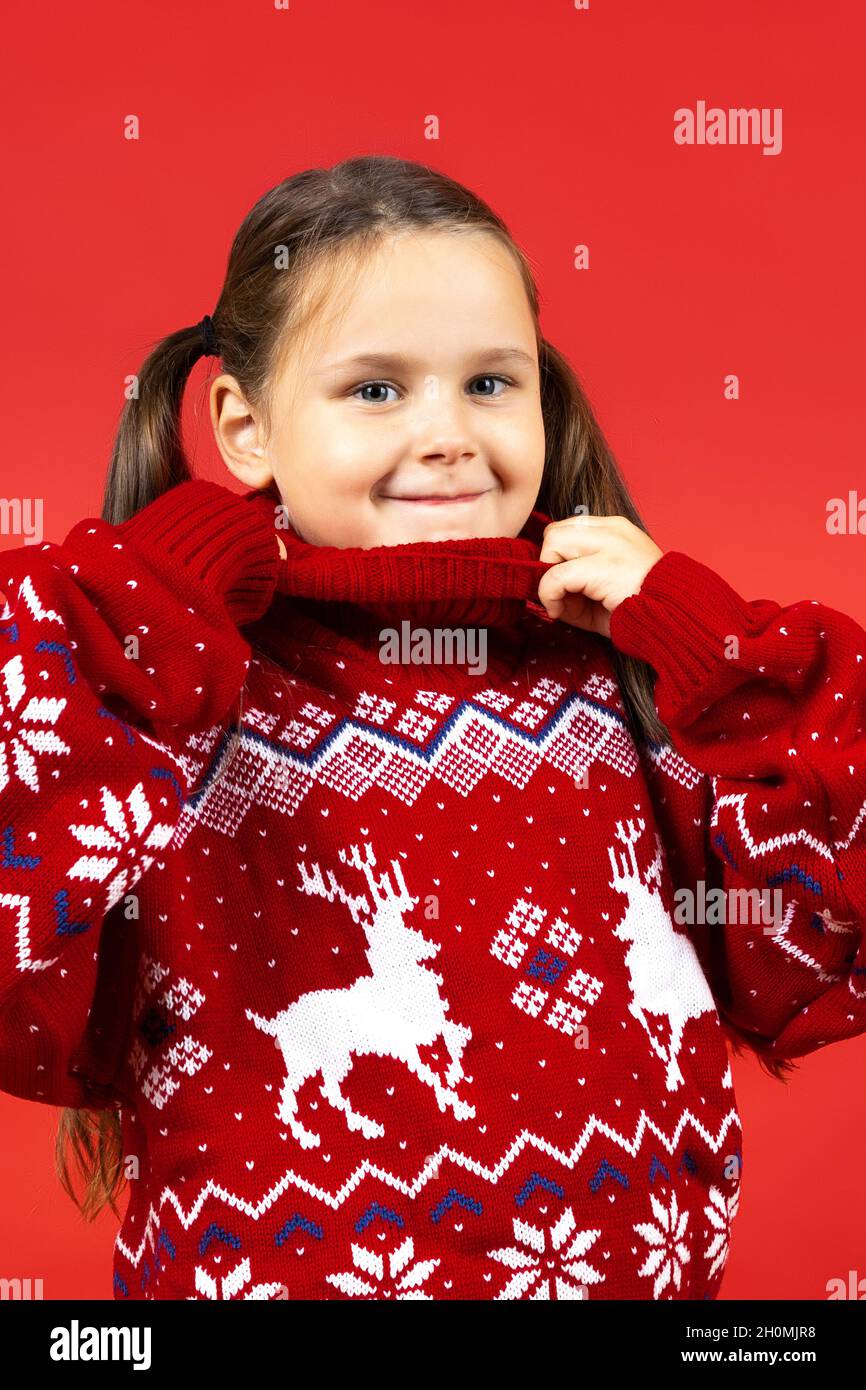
<point>479,582</point>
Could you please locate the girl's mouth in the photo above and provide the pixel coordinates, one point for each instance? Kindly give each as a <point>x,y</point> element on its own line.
<point>438,500</point>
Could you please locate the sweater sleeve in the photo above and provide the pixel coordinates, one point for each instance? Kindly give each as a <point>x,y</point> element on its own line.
<point>765,789</point>
<point>114,646</point>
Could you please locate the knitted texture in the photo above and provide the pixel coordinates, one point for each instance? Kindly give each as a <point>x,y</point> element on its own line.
<point>383,959</point>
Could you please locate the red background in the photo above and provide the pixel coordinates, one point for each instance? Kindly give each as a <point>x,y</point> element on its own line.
<point>704,261</point>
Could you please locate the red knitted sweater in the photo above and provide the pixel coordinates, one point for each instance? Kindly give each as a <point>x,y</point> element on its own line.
<point>403,962</point>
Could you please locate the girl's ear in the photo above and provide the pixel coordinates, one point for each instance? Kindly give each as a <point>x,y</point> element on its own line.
<point>237,433</point>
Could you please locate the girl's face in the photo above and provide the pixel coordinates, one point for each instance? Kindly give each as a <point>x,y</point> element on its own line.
<point>423,384</point>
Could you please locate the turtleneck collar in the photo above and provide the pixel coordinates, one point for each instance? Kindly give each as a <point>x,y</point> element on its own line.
<point>479,582</point>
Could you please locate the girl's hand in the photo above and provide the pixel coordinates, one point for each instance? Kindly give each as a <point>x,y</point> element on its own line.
<point>281,543</point>
<point>598,561</point>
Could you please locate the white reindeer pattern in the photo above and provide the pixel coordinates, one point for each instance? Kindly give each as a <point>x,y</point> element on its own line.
<point>665,975</point>
<point>391,1012</point>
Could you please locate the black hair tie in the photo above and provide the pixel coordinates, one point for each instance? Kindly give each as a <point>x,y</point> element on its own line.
<point>209,341</point>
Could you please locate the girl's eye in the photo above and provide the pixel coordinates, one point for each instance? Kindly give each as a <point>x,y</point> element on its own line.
<point>386,386</point>
<point>375,386</point>
<point>504,379</point>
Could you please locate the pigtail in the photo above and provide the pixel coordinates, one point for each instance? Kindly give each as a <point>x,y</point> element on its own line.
<point>148,458</point>
<point>93,1139</point>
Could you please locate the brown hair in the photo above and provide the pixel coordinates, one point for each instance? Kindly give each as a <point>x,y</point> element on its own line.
<point>285,259</point>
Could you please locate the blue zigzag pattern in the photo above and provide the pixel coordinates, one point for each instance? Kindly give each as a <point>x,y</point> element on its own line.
<point>606,1170</point>
<point>425,753</point>
<point>453,1198</point>
<point>216,1233</point>
<point>298,1223</point>
<point>374,1211</point>
<point>534,1181</point>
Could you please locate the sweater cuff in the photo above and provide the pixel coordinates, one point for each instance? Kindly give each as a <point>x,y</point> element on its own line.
<point>225,541</point>
<point>680,623</point>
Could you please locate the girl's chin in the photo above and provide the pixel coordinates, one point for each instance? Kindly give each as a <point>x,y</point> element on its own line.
<point>406,519</point>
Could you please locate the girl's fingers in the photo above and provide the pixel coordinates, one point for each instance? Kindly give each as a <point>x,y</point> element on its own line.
<point>568,547</point>
<point>596,562</point>
<point>574,592</point>
<point>581,535</point>
<point>619,524</point>
<point>574,576</point>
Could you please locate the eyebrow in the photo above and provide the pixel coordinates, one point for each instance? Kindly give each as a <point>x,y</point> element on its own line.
<point>388,361</point>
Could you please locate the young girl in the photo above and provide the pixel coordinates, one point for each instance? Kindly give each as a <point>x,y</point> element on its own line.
<point>356,902</point>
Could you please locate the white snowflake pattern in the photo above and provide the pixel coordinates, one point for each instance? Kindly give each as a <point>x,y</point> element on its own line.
<point>669,1253</point>
<point>548,1260</point>
<point>405,1274</point>
<point>32,731</point>
<point>233,1284</point>
<point>120,831</point>
<point>720,1213</point>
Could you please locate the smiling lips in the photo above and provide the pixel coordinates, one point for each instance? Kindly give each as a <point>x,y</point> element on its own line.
<point>438,500</point>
